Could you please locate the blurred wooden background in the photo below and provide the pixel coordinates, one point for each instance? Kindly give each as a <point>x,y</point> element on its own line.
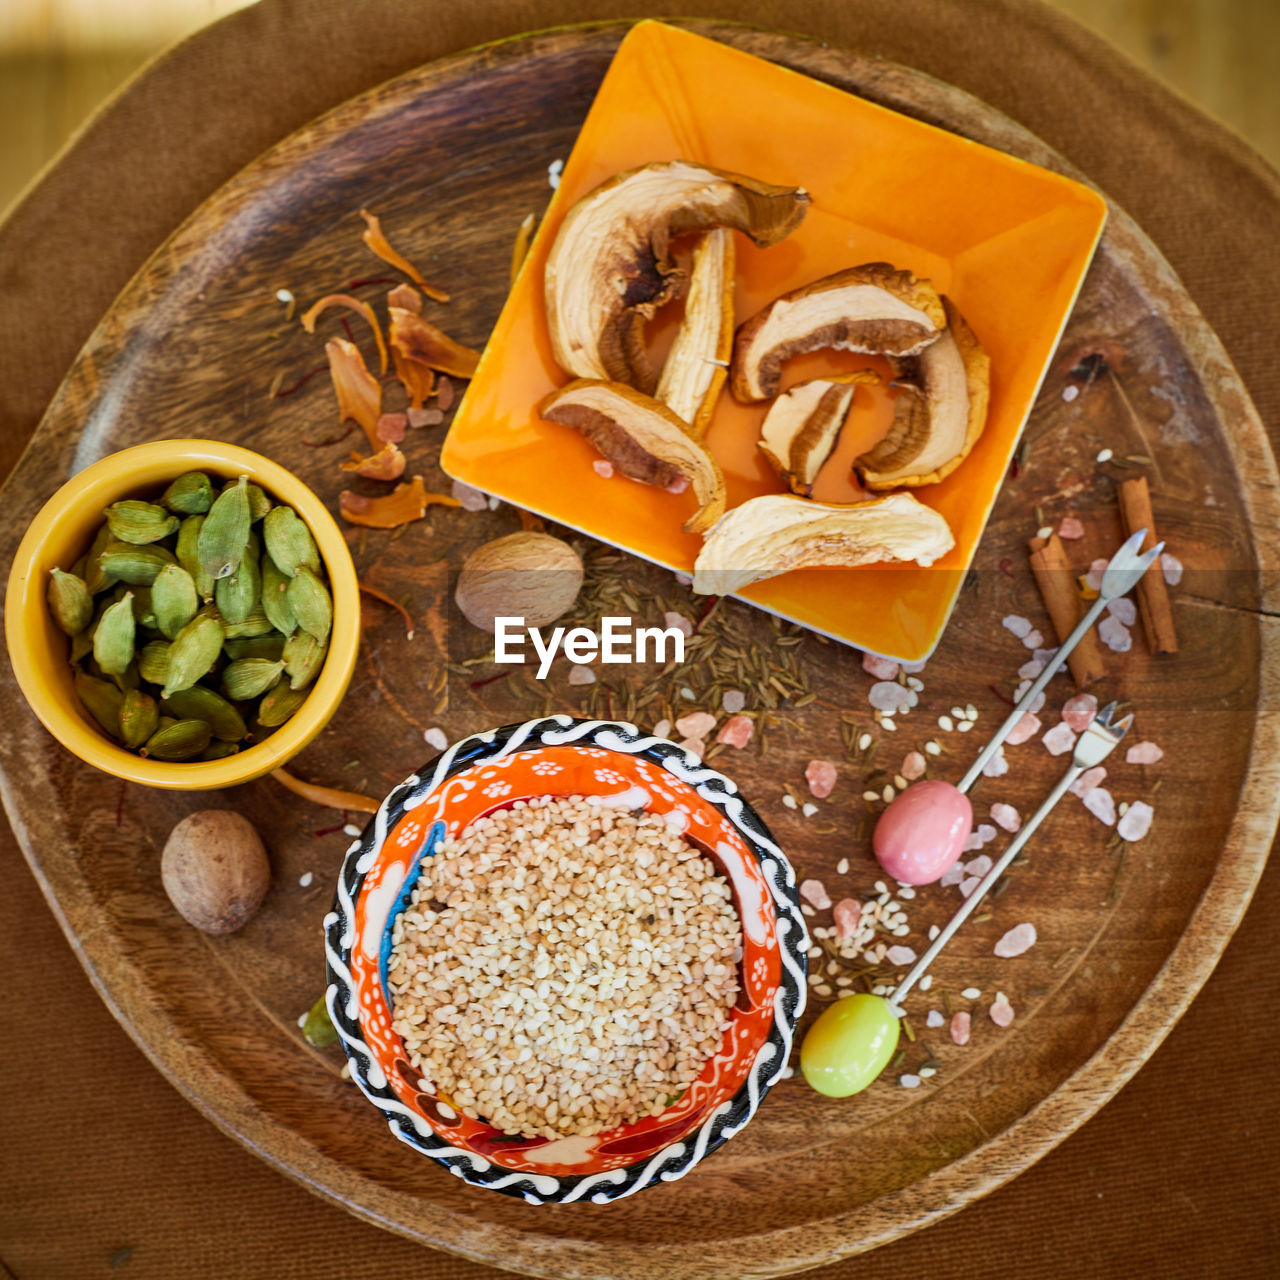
<point>60,58</point>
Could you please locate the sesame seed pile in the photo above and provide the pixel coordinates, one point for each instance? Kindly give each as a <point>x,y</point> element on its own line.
<point>563,967</point>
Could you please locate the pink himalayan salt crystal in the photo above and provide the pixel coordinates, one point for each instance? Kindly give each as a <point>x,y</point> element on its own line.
<point>697,724</point>
<point>391,427</point>
<point>821,776</point>
<point>978,866</point>
<point>955,872</point>
<point>697,745</point>
<point>469,498</point>
<point>444,393</point>
<point>913,766</point>
<point>1094,577</point>
<point>880,668</point>
<point>678,485</point>
<point>736,731</point>
<point>1022,937</point>
<point>814,892</point>
<point>1143,753</point>
<point>1016,625</point>
<point>679,621</point>
<point>1124,610</point>
<point>996,767</point>
<point>848,915</point>
<point>900,955</point>
<point>1006,816</point>
<point>960,1027</point>
<point>1136,821</point>
<point>1099,802</point>
<point>424,417</point>
<point>1115,635</point>
<point>914,668</point>
<point>1079,711</point>
<point>733,701</point>
<point>1171,567</point>
<point>1001,1013</point>
<point>581,675</point>
<point>889,696</point>
<point>662,729</point>
<point>1086,782</point>
<point>1036,705</point>
<point>984,834</point>
<point>1025,729</point>
<point>1059,739</point>
<point>1033,640</point>
<point>969,884</point>
<point>603,468</point>
<point>436,738</point>
<point>1070,528</point>
<point>1031,668</point>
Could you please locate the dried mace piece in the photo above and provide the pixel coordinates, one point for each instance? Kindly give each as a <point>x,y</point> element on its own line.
<point>215,870</point>
<point>609,269</point>
<point>641,438</point>
<point>875,309</point>
<point>524,575</point>
<point>780,532</point>
<point>803,424</point>
<point>939,414</point>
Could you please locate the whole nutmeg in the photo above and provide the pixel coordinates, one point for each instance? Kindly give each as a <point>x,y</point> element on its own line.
<point>215,870</point>
<point>524,575</point>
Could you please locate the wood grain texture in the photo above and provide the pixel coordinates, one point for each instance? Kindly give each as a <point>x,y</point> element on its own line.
<point>455,155</point>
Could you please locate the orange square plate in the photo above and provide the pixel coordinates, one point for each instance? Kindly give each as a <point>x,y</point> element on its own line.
<point>1008,241</point>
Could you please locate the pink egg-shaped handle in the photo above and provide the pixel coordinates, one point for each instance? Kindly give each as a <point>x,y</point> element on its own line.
<point>923,831</point>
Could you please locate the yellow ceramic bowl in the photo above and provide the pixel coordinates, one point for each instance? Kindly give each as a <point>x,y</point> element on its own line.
<point>61,533</point>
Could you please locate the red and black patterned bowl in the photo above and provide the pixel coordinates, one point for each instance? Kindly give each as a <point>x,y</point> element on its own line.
<point>620,766</point>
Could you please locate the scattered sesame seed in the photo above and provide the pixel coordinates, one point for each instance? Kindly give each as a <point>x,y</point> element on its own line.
<point>935,1019</point>
<point>822,990</point>
<point>902,931</point>
<point>864,742</point>
<point>971,993</point>
<point>933,932</point>
<point>842,867</point>
<point>815,979</point>
<point>435,738</point>
<point>945,722</point>
<point>926,1072</point>
<point>1105,455</point>
<point>933,748</point>
<point>283,295</point>
<point>881,887</point>
<point>886,723</point>
<point>870,796</point>
<point>965,725</point>
<point>302,1019</point>
<point>351,829</point>
<point>1069,393</point>
<point>1045,531</point>
<point>815,953</point>
<point>807,909</point>
<point>907,893</point>
<point>926,982</point>
<point>958,712</point>
<point>789,801</point>
<point>305,879</point>
<point>915,684</point>
<point>888,793</point>
<point>900,782</point>
<point>844,980</point>
<point>809,810</point>
<point>970,712</point>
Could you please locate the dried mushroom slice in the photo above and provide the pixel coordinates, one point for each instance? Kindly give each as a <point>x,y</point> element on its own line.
<point>698,362</point>
<point>610,269</point>
<point>780,532</point>
<point>803,424</point>
<point>642,438</point>
<point>939,414</point>
<point>875,309</point>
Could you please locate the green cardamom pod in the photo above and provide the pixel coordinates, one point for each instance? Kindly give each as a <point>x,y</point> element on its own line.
<point>189,557</point>
<point>279,704</point>
<point>309,599</point>
<point>96,578</point>
<point>225,532</point>
<point>191,494</point>
<point>144,613</point>
<point>219,750</point>
<point>174,599</point>
<point>237,595</point>
<point>113,640</point>
<point>178,741</point>
<point>194,650</point>
<point>289,541</point>
<point>139,522</point>
<point>136,565</point>
<point>69,601</point>
<point>256,624</point>
<point>201,703</point>
<point>303,658</point>
<point>275,602</point>
<point>153,661</point>
<point>81,645</point>
<point>270,646</point>
<point>259,503</point>
<point>102,700</point>
<point>249,677</point>
<point>127,679</point>
<point>139,718</point>
<point>317,1026</point>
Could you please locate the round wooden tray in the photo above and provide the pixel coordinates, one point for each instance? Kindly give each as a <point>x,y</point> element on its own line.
<point>457,151</point>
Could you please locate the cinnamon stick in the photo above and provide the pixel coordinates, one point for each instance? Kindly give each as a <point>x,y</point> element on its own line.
<point>1153,596</point>
<point>1058,590</point>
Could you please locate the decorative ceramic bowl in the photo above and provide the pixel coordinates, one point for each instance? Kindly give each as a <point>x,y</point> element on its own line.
<point>61,533</point>
<point>620,766</point>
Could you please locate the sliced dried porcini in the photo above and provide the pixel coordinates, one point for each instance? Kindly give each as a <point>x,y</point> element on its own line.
<point>358,391</point>
<point>610,269</point>
<point>939,414</point>
<point>386,464</point>
<point>642,438</point>
<point>780,532</point>
<point>875,309</point>
<point>405,503</point>
<point>803,424</point>
<point>698,363</point>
